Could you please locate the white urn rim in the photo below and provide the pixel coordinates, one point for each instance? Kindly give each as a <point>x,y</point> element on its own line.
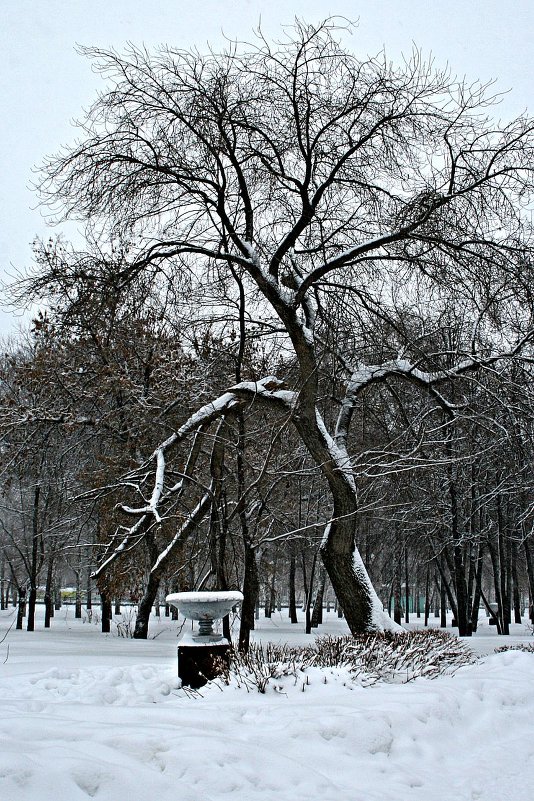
<point>205,606</point>
<point>211,597</point>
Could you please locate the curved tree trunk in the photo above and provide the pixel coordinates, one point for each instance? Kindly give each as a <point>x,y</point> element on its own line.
<point>339,554</point>
<point>145,607</point>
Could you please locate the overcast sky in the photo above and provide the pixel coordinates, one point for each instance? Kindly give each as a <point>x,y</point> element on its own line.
<point>44,83</point>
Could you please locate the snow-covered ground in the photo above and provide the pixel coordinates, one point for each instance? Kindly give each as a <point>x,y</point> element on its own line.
<point>86,715</point>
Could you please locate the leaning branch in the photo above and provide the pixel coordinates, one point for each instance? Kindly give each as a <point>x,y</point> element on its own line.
<point>269,389</point>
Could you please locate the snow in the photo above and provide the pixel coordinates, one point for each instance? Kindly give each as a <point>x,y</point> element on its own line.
<point>339,455</point>
<point>268,387</point>
<point>206,597</point>
<point>86,715</point>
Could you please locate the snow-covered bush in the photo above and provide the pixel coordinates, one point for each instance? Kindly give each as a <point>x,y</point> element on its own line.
<point>389,656</point>
<point>527,647</point>
<point>368,659</point>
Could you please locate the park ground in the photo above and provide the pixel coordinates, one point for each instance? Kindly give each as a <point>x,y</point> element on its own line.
<point>87,715</point>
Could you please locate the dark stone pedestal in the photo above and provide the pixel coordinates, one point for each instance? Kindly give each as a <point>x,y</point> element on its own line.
<point>198,664</point>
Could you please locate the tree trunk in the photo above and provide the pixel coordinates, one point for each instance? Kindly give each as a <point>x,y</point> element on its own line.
<point>145,607</point>
<point>3,595</point>
<point>341,558</point>
<point>503,627</point>
<point>503,570</point>
<point>397,600</point>
<point>250,594</point>
<point>515,584</point>
<point>34,564</point>
<point>477,592</point>
<point>309,595</point>
<point>406,586</point>
<point>272,588</point>
<point>317,616</point>
<point>292,594</point>
<point>251,585</point>
<point>428,600</point>
<point>89,584</point>
<point>530,574</point>
<point>105,606</point>
<point>78,599</point>
<point>21,608</point>
<point>305,584</point>
<point>48,601</point>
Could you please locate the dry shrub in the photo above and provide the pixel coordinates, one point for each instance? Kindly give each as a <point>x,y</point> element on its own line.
<point>527,647</point>
<point>370,658</point>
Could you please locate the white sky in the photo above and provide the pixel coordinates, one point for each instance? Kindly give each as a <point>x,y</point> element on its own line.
<point>44,83</point>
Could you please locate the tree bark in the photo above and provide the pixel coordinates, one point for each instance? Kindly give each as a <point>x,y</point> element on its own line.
<point>48,600</point>
<point>292,594</point>
<point>406,586</point>
<point>477,592</point>
<point>250,595</point>
<point>530,573</point>
<point>3,594</point>
<point>515,584</point>
<point>105,606</point>
<point>21,607</point>
<point>317,615</point>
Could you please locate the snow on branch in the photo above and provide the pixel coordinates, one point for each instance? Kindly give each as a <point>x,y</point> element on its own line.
<point>131,532</point>
<point>193,520</point>
<point>364,375</point>
<point>269,389</point>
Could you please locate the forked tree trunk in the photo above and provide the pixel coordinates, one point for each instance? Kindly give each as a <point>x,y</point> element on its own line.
<point>346,571</point>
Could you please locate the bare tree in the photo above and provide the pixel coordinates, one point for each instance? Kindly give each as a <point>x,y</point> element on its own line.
<point>328,195</point>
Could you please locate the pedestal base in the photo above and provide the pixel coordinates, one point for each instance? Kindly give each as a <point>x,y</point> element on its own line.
<point>200,663</point>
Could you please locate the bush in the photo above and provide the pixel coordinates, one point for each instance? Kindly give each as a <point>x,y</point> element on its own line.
<point>369,658</point>
<point>527,647</point>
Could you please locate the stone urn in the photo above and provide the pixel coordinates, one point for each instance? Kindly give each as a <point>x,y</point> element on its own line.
<point>205,607</point>
<point>204,655</point>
